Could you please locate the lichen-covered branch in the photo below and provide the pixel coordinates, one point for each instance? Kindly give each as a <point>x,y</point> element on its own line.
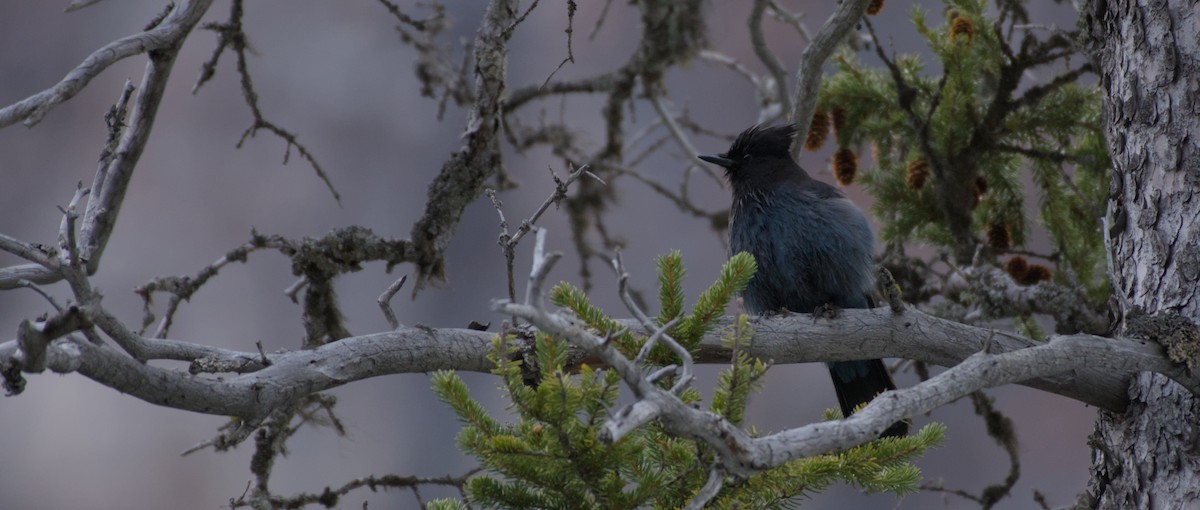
<point>462,177</point>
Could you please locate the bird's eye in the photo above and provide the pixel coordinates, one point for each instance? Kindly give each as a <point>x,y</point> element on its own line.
<point>747,157</point>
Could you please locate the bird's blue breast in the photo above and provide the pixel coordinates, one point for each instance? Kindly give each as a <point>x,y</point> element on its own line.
<point>811,250</point>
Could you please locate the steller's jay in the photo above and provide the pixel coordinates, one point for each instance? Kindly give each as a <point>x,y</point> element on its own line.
<point>813,247</point>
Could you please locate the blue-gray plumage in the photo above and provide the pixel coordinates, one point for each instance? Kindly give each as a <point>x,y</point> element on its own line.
<point>813,247</point>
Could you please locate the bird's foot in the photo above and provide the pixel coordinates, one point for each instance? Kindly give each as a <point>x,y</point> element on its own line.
<point>827,311</point>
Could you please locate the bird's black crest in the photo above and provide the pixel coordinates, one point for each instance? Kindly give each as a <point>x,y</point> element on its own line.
<point>761,141</point>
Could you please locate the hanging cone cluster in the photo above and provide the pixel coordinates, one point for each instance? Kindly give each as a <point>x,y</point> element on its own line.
<point>998,236</point>
<point>1017,268</point>
<point>918,173</point>
<point>845,166</point>
<point>1037,273</point>
<point>818,131</point>
<point>981,185</point>
<point>961,26</point>
<point>838,116</point>
<point>1025,273</point>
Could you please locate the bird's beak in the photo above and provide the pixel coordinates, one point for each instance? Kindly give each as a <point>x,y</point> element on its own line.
<point>717,159</point>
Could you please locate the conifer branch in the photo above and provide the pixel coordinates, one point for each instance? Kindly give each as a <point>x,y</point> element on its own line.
<point>743,455</point>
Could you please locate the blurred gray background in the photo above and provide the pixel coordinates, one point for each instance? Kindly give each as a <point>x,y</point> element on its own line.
<point>336,74</point>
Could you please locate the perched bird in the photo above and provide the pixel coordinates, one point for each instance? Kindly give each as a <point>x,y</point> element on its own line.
<point>813,247</point>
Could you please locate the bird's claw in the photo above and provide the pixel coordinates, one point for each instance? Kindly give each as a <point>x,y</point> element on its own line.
<point>827,311</point>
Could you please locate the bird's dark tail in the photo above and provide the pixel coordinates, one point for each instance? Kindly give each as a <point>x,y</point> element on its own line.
<point>859,381</point>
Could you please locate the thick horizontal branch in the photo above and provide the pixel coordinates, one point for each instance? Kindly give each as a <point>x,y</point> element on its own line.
<point>289,375</point>
<point>856,334</point>
<point>864,334</point>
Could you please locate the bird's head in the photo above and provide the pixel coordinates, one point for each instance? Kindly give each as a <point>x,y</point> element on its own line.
<point>760,145</point>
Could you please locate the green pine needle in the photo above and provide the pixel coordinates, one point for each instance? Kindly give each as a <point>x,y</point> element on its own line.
<point>573,298</point>
<point>670,286</point>
<point>735,275</point>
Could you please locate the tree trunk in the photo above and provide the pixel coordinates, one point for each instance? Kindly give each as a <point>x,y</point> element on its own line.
<point>1148,53</point>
